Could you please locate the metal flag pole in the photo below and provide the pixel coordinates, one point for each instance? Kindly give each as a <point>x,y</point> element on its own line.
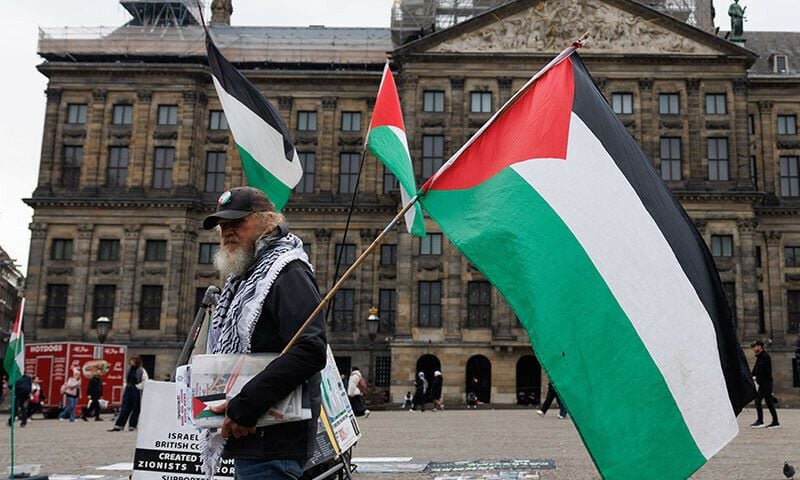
<point>349,272</point>
<point>13,415</point>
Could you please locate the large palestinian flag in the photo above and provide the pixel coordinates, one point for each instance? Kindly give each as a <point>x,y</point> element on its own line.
<point>269,159</point>
<point>559,207</point>
<point>387,141</point>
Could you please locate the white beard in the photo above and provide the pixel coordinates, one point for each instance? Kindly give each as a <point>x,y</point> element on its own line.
<point>235,262</point>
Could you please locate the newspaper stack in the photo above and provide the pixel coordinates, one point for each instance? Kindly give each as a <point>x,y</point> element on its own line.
<point>210,380</point>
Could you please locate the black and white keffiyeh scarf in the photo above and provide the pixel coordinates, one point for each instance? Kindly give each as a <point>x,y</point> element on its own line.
<point>237,312</point>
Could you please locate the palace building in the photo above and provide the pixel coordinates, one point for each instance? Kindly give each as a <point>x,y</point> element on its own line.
<point>136,151</point>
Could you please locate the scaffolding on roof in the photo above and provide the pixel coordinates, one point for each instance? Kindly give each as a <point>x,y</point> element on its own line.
<point>163,13</point>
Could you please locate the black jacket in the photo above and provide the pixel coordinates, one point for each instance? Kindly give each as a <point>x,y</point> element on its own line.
<point>95,388</point>
<point>762,370</point>
<point>436,387</point>
<point>292,298</point>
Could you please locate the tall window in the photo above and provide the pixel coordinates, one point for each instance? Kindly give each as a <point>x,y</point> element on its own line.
<point>117,171</point>
<point>432,154</point>
<point>622,103</point>
<point>716,104</point>
<point>76,113</point>
<point>390,182</point>
<point>71,168</point>
<point>762,320</point>
<point>480,102</point>
<point>383,371</point>
<point>670,158</point>
<point>348,172</point>
<point>215,171</point>
<point>718,159</point>
<point>150,307</point>
<point>346,252</point>
<point>790,176</point>
<point>430,304</point>
<point>207,252</point>
<point>751,125</point>
<point>479,304</point>
<point>787,125</point>
<point>793,309</point>
<point>351,121</point>
<point>55,310</point>
<point>308,161</point>
<point>722,245</point>
<point>792,256</point>
<point>217,120</point>
<point>431,244</point>
<point>61,249</point>
<point>780,64</point>
<point>103,304</point>
<point>433,101</point>
<point>753,170</point>
<point>162,167</point>
<point>388,255</point>
<point>155,250</point>
<point>167,114</point>
<point>108,250</point>
<point>307,121</point>
<point>344,307</point>
<point>669,103</point>
<point>387,306</point>
<point>122,114</point>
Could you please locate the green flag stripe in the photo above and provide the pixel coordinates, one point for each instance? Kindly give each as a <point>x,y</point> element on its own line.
<point>605,376</point>
<point>260,178</point>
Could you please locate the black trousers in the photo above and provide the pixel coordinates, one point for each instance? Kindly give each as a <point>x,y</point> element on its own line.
<point>131,402</point>
<point>766,395</point>
<point>93,409</point>
<point>20,409</point>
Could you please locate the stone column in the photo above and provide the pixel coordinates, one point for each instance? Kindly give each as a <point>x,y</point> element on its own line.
<point>458,119</point>
<point>695,161</point>
<point>649,121</point>
<point>454,297</point>
<point>141,144</point>
<point>769,160</point>
<point>184,173</point>
<point>405,286</point>
<point>774,309</point>
<point>34,282</point>
<point>504,88</point>
<point>49,139</point>
<point>328,159</point>
<point>748,326</point>
<point>367,295</point>
<point>321,248</point>
<point>741,141</point>
<point>93,143</point>
<point>78,312</point>
<point>178,289</point>
<point>407,90</point>
<point>123,317</point>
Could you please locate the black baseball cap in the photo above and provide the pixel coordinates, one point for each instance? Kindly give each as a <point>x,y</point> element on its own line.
<point>236,203</point>
<point>757,342</point>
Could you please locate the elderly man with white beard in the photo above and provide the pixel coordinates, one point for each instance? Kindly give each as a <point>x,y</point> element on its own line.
<point>269,292</point>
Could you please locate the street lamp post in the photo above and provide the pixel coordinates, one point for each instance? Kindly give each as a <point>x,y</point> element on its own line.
<point>372,329</point>
<point>103,327</point>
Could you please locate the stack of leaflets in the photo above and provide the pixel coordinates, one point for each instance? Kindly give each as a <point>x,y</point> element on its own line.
<point>212,379</point>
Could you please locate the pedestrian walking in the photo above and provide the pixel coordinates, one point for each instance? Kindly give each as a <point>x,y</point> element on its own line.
<point>356,387</point>
<point>420,392</point>
<point>473,389</point>
<point>436,391</point>
<point>95,392</point>
<point>552,395</point>
<point>36,397</point>
<point>71,390</point>
<point>131,396</point>
<point>762,375</point>
<point>22,392</point>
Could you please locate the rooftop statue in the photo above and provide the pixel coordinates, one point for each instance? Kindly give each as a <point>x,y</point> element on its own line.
<point>736,12</point>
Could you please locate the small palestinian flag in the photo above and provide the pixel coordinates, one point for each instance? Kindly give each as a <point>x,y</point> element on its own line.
<point>387,141</point>
<point>14,361</point>
<point>561,210</point>
<point>269,159</point>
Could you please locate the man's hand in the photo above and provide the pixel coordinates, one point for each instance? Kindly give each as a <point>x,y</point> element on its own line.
<point>229,427</point>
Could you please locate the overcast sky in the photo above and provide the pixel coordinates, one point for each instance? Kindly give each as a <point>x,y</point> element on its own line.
<point>23,100</point>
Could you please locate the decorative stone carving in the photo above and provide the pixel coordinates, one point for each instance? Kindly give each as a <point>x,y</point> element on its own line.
<point>792,277</point>
<point>207,273</point>
<point>505,82</point>
<point>371,102</point>
<point>349,140</point>
<point>99,94</point>
<point>165,133</point>
<point>144,95</point>
<point>329,103</point>
<point>132,231</point>
<point>551,25</point>
<point>119,132</point>
<point>306,138</point>
<point>368,234</point>
<point>740,85</point>
<point>107,270</point>
<point>765,106</point>
<point>628,122</point>
<point>190,97</point>
<point>155,271</point>
<point>53,94</point>
<point>476,122</point>
<point>406,81</point>
<point>430,263</point>
<point>85,230</point>
<point>746,225</point>
<point>692,85</point>
<point>220,138</point>
<point>789,144</point>
<point>285,103</point>
<point>182,231</point>
<point>646,84</point>
<point>38,230</point>
<point>322,233</point>
<point>671,123</point>
<point>59,271</point>
<point>433,122</point>
<point>73,132</point>
<point>718,124</point>
<point>457,83</point>
<point>600,82</point>
<point>700,224</point>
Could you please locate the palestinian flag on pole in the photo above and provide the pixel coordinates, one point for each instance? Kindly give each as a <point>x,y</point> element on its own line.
<point>387,141</point>
<point>14,361</point>
<point>269,159</point>
<point>558,206</point>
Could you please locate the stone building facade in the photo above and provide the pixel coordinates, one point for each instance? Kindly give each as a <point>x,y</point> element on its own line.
<point>12,283</point>
<point>135,153</point>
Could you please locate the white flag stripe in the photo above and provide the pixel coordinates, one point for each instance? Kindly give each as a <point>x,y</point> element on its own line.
<point>642,272</point>
<point>411,213</point>
<point>259,139</point>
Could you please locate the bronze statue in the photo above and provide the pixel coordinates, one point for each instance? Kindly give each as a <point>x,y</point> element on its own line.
<point>736,13</point>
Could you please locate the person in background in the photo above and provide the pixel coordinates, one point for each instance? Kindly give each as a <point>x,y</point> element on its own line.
<point>22,392</point>
<point>36,398</point>
<point>131,396</point>
<point>762,375</point>
<point>436,391</point>
<point>356,387</point>
<point>71,391</point>
<point>420,392</point>
<point>95,392</point>
<point>552,395</point>
<point>408,401</point>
